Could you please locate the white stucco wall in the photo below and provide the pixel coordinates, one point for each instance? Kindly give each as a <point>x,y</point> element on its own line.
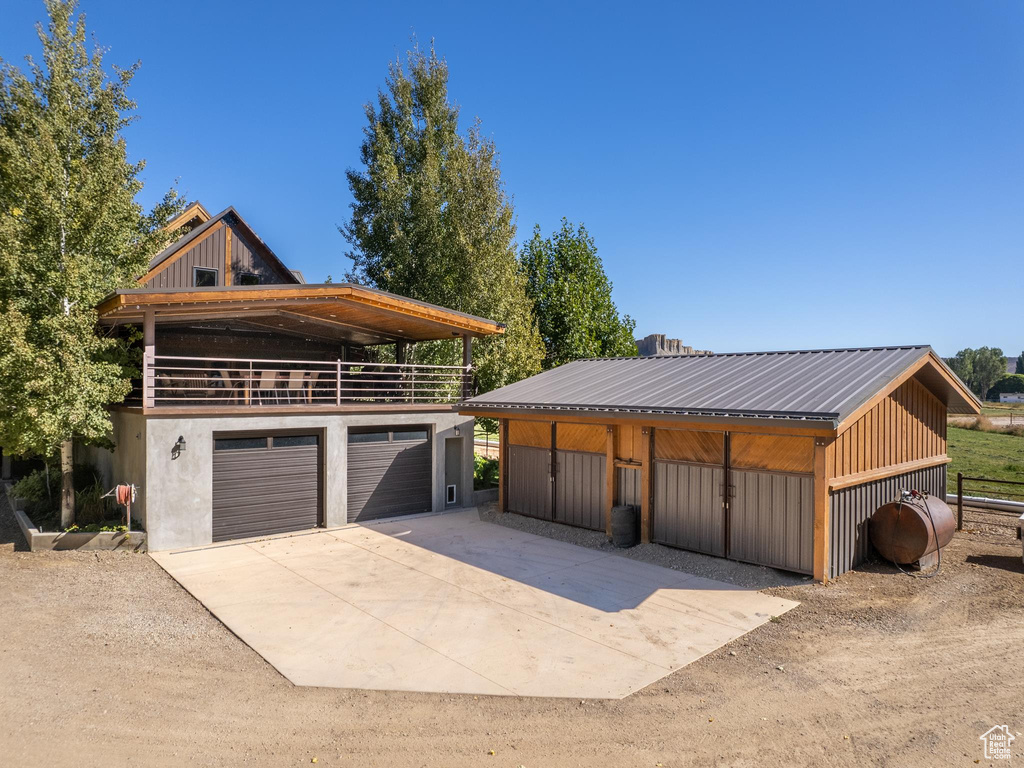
<point>177,493</point>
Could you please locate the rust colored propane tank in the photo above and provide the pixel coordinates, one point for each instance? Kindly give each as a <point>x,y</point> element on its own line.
<point>902,533</point>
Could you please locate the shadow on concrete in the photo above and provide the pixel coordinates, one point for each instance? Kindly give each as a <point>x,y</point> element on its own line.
<point>595,576</point>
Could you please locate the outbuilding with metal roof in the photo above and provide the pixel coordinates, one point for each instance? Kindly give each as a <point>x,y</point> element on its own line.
<point>774,458</point>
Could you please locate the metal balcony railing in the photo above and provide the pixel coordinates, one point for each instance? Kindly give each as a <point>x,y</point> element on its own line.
<point>211,381</point>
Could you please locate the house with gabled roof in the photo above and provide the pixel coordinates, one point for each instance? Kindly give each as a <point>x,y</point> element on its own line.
<point>269,405</point>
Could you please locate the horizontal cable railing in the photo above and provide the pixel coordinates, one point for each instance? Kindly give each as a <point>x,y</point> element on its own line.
<point>209,381</point>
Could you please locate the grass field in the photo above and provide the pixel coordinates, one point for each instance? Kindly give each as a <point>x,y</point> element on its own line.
<point>985,454</point>
<point>1003,409</point>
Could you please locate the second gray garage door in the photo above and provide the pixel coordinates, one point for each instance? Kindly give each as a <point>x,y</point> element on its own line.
<point>389,472</point>
<point>265,484</point>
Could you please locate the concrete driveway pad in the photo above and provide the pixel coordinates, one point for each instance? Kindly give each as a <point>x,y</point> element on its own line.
<point>451,604</point>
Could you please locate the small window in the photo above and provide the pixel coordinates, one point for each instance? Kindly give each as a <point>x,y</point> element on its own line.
<point>248,278</point>
<point>295,441</point>
<point>412,434</point>
<point>203,278</point>
<point>367,437</point>
<point>239,443</point>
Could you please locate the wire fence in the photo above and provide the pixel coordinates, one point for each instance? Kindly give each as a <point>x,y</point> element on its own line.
<point>990,488</point>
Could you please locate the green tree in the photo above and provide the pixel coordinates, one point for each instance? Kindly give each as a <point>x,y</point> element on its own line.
<point>979,368</point>
<point>1011,382</point>
<point>1020,363</point>
<point>70,233</point>
<point>431,218</point>
<point>572,298</point>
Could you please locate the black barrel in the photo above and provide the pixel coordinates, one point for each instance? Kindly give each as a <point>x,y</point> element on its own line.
<point>624,526</point>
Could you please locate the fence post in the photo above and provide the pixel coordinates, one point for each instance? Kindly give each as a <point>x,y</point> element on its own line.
<point>337,384</point>
<point>959,501</point>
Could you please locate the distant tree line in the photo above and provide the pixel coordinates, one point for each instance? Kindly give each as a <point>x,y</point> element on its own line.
<point>984,370</point>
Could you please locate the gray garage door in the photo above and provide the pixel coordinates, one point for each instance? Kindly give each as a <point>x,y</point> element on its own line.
<point>389,472</point>
<point>772,520</point>
<point>580,489</point>
<point>529,481</point>
<point>688,510</point>
<point>265,484</point>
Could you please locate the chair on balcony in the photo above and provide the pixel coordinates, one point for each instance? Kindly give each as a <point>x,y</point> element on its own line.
<point>295,390</point>
<point>267,390</point>
<point>231,384</point>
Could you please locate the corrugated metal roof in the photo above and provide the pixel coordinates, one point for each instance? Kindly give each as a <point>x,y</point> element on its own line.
<point>823,385</point>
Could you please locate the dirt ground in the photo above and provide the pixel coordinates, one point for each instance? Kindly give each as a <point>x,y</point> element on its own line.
<point>105,661</point>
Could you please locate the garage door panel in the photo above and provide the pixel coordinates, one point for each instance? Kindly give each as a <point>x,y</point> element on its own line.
<point>772,520</point>
<point>388,477</point>
<point>688,507</point>
<point>580,489</point>
<point>529,483</point>
<point>264,491</point>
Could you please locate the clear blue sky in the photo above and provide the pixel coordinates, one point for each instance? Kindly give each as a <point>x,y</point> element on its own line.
<point>757,175</point>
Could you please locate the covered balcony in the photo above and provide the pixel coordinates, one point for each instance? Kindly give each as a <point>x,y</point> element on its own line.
<point>293,348</point>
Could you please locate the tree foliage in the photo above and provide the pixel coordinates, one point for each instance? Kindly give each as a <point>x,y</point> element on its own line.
<point>1019,368</point>
<point>572,298</point>
<point>979,368</point>
<point>70,233</point>
<point>1011,382</point>
<point>431,218</point>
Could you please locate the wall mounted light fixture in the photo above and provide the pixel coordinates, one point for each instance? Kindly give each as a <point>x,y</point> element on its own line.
<point>179,448</point>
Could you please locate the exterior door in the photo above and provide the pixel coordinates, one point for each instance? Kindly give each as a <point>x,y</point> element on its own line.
<point>580,489</point>
<point>529,481</point>
<point>389,472</point>
<point>265,484</point>
<point>688,509</point>
<point>771,520</point>
<point>529,472</point>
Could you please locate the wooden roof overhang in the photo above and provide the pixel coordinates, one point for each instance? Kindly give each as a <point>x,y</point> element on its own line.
<point>341,311</point>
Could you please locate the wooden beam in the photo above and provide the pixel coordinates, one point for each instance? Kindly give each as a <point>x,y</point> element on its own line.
<point>821,512</point>
<point>148,359</point>
<point>609,480</point>
<point>837,483</point>
<point>700,424</point>
<point>193,211</point>
<point>502,465</point>
<point>647,442</point>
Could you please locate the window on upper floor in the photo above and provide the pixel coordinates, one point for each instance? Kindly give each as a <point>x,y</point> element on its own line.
<point>203,277</point>
<point>248,278</point>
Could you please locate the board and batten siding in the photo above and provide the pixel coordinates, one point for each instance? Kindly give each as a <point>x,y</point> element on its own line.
<point>851,508</point>
<point>246,258</point>
<point>907,425</point>
<point>208,253</point>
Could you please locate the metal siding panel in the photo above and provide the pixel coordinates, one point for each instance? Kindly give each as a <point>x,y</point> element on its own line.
<point>771,520</point>
<point>266,491</point>
<point>580,489</point>
<point>850,510</point>
<point>628,484</point>
<point>688,507</point>
<point>388,479</point>
<point>529,486</point>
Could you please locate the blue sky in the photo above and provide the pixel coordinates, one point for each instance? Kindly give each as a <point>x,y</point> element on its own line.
<point>757,175</point>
